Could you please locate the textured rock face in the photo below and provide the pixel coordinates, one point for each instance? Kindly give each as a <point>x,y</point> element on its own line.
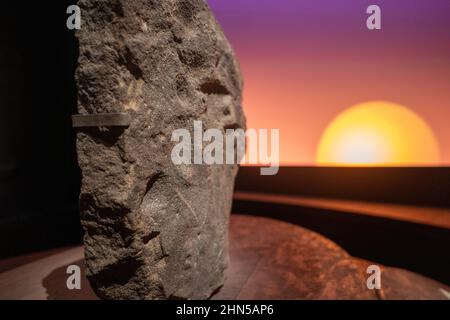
<point>154,230</point>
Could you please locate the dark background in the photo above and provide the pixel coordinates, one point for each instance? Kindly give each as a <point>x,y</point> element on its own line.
<point>40,179</point>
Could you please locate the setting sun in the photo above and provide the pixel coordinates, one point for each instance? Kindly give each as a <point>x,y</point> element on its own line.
<point>378,133</point>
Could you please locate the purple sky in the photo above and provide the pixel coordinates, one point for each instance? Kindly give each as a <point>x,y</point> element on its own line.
<point>308,60</point>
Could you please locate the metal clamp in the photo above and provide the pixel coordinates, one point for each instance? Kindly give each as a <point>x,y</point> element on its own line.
<point>101,120</point>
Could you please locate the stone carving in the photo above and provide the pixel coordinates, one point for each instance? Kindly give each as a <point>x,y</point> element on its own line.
<point>154,230</point>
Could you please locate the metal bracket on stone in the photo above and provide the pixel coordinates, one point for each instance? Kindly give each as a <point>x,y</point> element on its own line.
<point>101,120</point>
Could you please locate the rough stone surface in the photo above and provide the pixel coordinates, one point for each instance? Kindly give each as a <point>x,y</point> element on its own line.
<point>154,230</point>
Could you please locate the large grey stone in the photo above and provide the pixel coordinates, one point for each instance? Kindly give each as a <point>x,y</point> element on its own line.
<point>154,230</point>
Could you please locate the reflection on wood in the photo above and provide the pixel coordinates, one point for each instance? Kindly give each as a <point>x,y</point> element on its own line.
<point>437,217</point>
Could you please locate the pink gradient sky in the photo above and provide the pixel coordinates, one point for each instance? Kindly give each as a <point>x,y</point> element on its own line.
<point>306,61</point>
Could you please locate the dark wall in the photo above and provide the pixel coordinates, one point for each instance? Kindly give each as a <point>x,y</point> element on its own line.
<point>427,186</point>
<point>39,178</point>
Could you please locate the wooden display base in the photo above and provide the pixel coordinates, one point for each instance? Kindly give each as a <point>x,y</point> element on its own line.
<point>269,259</point>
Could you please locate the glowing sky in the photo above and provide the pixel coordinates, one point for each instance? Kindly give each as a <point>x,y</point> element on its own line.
<point>305,61</point>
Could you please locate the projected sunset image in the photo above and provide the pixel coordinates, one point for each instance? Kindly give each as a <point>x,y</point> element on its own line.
<point>378,133</point>
<point>340,94</point>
